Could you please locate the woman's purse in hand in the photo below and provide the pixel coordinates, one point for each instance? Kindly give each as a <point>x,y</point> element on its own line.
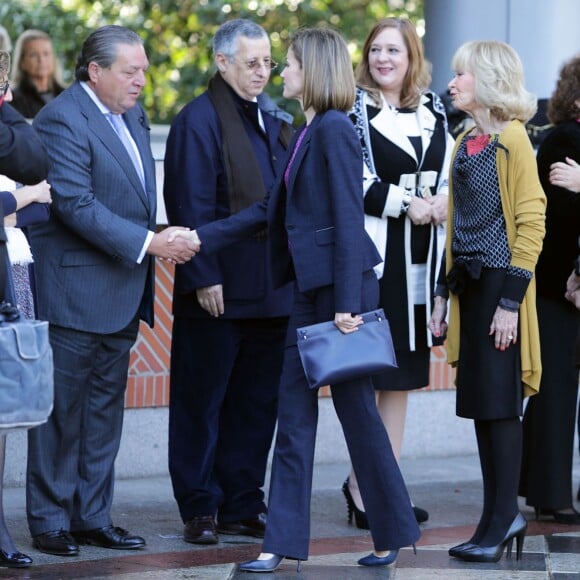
<point>330,356</point>
<point>26,368</point>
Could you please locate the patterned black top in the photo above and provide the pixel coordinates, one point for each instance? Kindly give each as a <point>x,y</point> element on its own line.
<point>479,231</point>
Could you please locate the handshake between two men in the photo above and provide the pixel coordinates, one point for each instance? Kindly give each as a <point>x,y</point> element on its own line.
<point>175,244</point>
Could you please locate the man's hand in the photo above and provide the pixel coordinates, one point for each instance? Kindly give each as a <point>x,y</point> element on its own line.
<point>419,211</point>
<point>438,209</point>
<point>175,249</point>
<point>211,299</point>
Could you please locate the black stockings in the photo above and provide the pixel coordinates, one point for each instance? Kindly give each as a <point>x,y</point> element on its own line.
<point>500,449</point>
<point>6,542</point>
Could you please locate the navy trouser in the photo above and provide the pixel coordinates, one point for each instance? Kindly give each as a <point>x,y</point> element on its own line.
<point>388,506</point>
<point>222,413</point>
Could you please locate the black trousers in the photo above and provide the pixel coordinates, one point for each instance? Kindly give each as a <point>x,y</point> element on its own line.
<point>223,400</point>
<point>549,419</point>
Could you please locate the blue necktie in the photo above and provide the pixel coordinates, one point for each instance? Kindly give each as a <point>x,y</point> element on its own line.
<point>121,130</point>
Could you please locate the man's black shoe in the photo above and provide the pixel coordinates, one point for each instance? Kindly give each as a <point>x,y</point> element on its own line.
<point>57,542</point>
<point>254,527</point>
<point>110,537</point>
<point>201,530</point>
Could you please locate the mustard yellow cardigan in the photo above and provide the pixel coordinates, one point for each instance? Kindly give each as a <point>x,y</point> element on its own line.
<point>524,208</point>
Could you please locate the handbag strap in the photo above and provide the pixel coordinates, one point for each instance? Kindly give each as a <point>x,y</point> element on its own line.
<point>4,263</point>
<point>8,312</point>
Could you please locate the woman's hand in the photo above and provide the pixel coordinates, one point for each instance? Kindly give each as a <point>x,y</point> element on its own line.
<point>347,322</point>
<point>39,193</point>
<point>437,324</point>
<point>566,175</point>
<point>505,327</point>
<point>573,289</point>
<point>438,208</point>
<point>419,212</point>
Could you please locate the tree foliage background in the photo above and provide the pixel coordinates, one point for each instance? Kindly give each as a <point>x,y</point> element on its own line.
<point>178,34</point>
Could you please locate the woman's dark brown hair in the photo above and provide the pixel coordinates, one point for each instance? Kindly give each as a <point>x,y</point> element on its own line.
<point>564,103</point>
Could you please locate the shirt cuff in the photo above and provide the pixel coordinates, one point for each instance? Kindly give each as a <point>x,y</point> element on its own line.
<point>514,288</point>
<point>145,246</point>
<point>394,201</point>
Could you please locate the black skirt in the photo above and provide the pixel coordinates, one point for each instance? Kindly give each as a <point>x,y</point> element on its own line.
<point>488,380</point>
<point>412,371</point>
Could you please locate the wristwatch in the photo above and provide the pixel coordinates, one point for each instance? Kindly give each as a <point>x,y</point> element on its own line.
<point>405,204</point>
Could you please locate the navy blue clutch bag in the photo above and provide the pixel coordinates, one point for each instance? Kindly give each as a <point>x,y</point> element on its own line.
<point>330,357</point>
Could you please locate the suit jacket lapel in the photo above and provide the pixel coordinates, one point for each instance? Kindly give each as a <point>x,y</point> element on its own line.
<point>427,122</point>
<point>298,158</point>
<point>385,123</point>
<point>103,130</point>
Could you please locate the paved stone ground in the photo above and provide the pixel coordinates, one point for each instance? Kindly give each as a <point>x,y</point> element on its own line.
<point>449,488</point>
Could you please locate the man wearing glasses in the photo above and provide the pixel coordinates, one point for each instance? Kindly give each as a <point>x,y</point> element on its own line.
<point>224,151</point>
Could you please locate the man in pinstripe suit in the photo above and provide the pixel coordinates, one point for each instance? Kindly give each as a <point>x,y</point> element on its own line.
<point>95,281</point>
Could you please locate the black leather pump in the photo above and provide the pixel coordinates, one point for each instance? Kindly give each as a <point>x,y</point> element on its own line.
<point>517,530</point>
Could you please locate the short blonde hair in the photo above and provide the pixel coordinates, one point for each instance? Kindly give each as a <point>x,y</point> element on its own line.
<point>499,79</point>
<point>325,61</point>
<point>418,76</point>
<point>20,50</point>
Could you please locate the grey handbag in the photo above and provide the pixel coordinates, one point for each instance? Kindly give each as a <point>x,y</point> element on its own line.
<point>26,368</point>
<point>329,356</point>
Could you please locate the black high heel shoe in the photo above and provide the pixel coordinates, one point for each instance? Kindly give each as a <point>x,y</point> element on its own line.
<point>477,553</point>
<point>560,517</point>
<point>360,518</point>
<point>456,550</point>
<point>421,515</point>
<point>14,559</point>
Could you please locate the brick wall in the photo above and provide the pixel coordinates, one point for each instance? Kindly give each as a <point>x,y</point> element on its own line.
<point>148,383</point>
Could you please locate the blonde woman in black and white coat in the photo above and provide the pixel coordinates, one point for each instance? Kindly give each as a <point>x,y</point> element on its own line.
<point>406,145</point>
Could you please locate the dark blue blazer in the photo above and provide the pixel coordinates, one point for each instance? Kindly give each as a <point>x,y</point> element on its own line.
<point>22,155</point>
<point>316,224</point>
<point>196,192</point>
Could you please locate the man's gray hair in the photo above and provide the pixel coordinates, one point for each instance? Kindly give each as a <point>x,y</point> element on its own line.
<point>102,46</point>
<point>225,40</point>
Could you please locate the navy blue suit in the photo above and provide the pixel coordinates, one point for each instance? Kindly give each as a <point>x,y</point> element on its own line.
<point>317,238</point>
<point>222,410</point>
<point>92,291</point>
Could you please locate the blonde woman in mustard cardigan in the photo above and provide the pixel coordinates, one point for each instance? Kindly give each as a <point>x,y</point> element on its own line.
<point>495,230</point>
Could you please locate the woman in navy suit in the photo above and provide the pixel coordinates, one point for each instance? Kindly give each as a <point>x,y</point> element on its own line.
<point>315,220</point>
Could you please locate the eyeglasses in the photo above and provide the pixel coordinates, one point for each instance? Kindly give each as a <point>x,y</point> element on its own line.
<point>254,64</point>
<point>4,88</point>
